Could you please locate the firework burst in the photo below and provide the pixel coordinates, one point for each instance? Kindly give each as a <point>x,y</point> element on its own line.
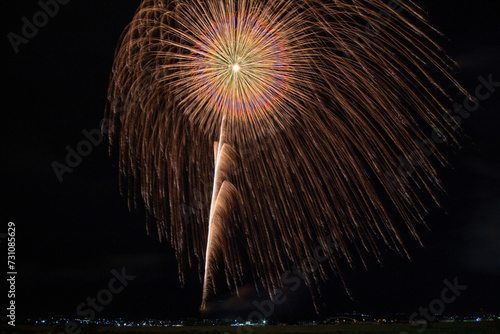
<point>258,129</point>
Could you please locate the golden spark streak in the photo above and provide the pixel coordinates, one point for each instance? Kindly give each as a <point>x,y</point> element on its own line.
<point>310,114</point>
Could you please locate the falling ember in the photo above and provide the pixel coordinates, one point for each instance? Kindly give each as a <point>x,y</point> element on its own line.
<point>258,129</point>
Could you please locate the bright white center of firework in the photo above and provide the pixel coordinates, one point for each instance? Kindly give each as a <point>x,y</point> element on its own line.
<point>236,67</point>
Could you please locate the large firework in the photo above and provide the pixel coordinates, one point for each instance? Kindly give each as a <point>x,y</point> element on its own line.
<point>256,130</point>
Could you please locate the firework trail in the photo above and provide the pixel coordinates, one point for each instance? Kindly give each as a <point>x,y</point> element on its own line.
<point>275,122</point>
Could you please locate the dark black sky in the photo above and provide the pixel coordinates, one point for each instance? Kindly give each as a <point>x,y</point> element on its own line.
<point>70,235</point>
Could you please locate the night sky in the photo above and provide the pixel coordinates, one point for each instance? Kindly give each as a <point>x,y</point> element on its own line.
<point>70,235</point>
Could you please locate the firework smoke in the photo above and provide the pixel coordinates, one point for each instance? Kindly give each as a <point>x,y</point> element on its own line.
<point>275,122</point>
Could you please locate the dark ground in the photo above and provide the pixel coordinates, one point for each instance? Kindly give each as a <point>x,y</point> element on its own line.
<point>70,235</point>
